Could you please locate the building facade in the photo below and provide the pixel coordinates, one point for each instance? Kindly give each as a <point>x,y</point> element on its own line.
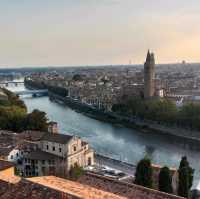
<point>55,154</point>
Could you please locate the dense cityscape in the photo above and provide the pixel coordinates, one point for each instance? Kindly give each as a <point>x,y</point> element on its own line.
<point>112,94</point>
<point>78,122</point>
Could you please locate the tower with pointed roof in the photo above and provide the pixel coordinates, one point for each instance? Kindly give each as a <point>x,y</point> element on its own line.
<point>149,76</point>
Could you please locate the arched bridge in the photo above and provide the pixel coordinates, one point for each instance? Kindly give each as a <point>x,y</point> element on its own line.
<point>11,82</point>
<point>32,92</point>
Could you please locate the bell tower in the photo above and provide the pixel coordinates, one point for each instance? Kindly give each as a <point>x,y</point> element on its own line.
<point>149,76</point>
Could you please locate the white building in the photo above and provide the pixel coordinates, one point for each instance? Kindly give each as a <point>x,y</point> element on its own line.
<point>55,155</point>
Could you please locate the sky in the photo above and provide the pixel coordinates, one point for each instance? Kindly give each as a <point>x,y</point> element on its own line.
<point>97,32</point>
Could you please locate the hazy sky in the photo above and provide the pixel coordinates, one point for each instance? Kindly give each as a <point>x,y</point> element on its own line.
<point>88,32</point>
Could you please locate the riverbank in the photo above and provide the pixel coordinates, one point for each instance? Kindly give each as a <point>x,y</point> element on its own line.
<point>128,169</point>
<point>191,138</point>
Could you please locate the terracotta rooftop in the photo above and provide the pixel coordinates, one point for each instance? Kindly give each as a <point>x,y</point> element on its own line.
<point>8,177</point>
<point>8,141</point>
<point>41,155</point>
<point>5,165</point>
<point>58,138</point>
<point>28,190</point>
<point>128,190</point>
<point>74,188</point>
<point>32,135</point>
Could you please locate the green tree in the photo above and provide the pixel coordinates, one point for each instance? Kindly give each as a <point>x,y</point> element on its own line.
<point>162,110</point>
<point>143,175</point>
<point>165,180</point>
<point>184,163</point>
<point>12,118</point>
<point>189,115</point>
<point>36,120</point>
<point>13,99</point>
<point>183,189</point>
<point>75,172</point>
<point>186,174</point>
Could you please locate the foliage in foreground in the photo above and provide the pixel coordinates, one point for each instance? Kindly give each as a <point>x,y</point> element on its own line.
<point>165,180</point>
<point>144,177</point>
<point>14,116</point>
<point>75,172</point>
<point>186,174</point>
<point>144,172</point>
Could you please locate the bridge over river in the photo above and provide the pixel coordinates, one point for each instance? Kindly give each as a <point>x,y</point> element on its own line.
<point>43,92</point>
<point>8,83</point>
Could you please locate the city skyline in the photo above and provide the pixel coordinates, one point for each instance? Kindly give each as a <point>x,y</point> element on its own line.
<point>70,33</point>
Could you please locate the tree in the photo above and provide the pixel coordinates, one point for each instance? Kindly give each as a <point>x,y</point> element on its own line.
<point>75,172</point>
<point>189,115</point>
<point>36,120</point>
<point>143,175</point>
<point>186,174</point>
<point>12,118</point>
<point>184,163</point>
<point>77,77</point>
<point>63,92</point>
<point>183,189</point>
<point>14,100</point>
<point>165,180</point>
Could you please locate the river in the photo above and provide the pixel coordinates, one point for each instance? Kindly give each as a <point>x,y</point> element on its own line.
<point>115,141</point>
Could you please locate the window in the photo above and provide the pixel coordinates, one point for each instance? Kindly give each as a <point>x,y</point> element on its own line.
<point>60,150</point>
<point>53,148</point>
<point>47,147</point>
<point>43,169</point>
<point>89,161</point>
<point>43,161</point>
<point>17,154</point>
<point>11,157</point>
<point>74,148</point>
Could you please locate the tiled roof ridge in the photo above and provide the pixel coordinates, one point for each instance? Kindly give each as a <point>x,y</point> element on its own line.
<point>139,187</point>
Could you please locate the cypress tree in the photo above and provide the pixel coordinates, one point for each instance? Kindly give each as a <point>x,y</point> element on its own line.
<point>165,180</point>
<point>186,174</point>
<point>143,175</point>
<point>183,189</point>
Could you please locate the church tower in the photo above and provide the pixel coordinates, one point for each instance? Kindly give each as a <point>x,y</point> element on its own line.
<point>149,76</point>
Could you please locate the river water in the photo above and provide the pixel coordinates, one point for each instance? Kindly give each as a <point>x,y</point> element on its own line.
<point>115,141</point>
